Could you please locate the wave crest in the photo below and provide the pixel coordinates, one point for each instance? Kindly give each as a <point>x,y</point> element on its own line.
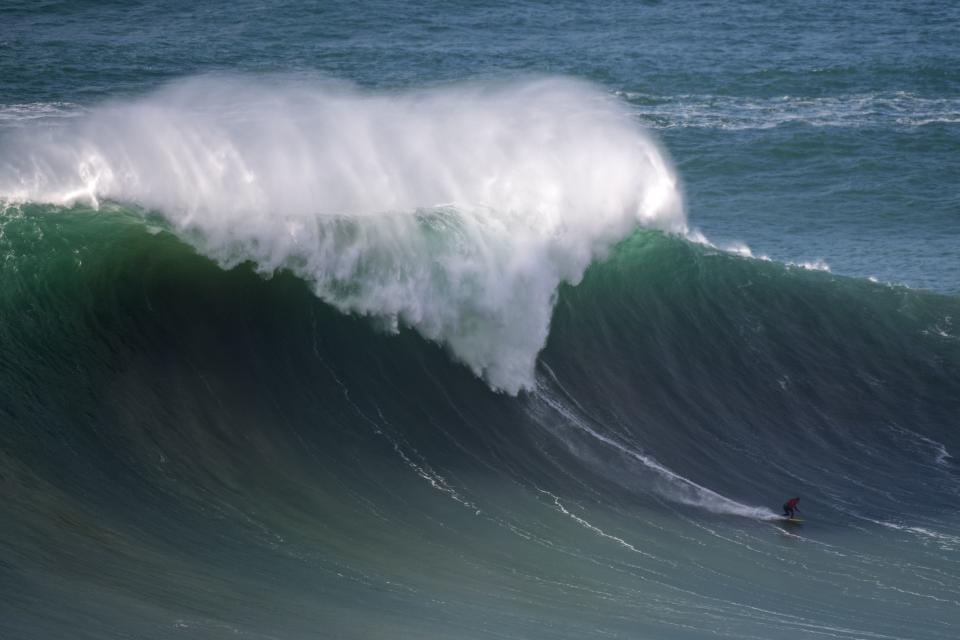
<point>457,211</point>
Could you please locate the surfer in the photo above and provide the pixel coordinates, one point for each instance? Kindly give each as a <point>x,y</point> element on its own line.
<point>790,507</point>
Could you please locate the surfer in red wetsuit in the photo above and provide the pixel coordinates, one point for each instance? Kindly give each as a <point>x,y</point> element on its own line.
<point>790,506</point>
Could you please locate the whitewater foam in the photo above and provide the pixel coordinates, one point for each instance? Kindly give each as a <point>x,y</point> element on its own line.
<point>18,115</point>
<point>456,211</point>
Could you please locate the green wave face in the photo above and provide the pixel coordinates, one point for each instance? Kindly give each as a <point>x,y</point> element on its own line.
<point>188,448</point>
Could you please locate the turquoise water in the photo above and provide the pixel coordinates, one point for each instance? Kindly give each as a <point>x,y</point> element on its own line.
<point>380,320</point>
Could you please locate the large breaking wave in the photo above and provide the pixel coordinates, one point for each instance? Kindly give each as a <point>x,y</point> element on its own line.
<point>456,211</point>
<point>191,450</point>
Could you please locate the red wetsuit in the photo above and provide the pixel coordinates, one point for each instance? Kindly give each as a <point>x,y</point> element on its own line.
<point>790,506</point>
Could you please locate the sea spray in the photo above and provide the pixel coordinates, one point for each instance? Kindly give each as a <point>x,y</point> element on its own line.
<point>456,211</point>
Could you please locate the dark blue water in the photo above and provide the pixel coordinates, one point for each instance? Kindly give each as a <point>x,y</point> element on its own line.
<point>379,320</point>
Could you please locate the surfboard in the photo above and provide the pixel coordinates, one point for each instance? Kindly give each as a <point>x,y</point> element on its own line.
<point>794,520</point>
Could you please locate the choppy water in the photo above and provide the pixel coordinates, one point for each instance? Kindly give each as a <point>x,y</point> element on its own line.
<point>458,321</point>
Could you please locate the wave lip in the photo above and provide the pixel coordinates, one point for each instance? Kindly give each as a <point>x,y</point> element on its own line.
<point>456,211</point>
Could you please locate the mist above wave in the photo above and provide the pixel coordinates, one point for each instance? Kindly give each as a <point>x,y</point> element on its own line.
<point>456,211</point>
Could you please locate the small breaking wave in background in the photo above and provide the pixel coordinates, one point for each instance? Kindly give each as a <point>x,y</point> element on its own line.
<point>731,112</point>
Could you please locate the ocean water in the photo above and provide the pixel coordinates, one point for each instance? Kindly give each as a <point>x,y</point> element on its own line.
<point>460,320</point>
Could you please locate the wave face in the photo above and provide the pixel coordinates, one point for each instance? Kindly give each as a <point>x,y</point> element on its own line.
<point>456,211</point>
<point>198,451</point>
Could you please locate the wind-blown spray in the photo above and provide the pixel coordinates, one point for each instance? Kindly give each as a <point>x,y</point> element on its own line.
<point>456,211</point>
